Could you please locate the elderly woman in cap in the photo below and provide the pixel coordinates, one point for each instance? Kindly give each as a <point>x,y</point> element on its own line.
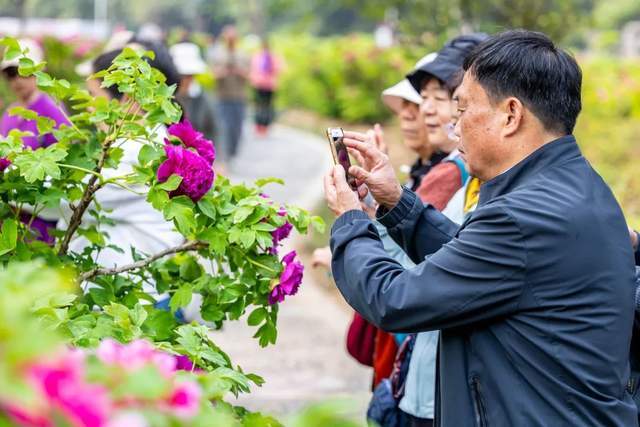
<point>28,96</point>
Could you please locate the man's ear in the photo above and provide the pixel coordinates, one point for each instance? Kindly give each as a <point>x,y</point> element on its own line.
<point>513,110</point>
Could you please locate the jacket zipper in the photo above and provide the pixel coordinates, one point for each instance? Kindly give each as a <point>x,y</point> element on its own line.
<point>478,403</point>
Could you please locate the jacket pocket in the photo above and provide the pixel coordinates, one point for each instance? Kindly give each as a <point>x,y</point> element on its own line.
<point>478,403</point>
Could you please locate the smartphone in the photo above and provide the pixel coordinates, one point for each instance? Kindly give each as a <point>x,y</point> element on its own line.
<point>340,154</point>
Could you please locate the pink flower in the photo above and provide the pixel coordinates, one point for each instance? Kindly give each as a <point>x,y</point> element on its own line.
<point>193,139</point>
<point>22,417</point>
<point>184,402</point>
<point>290,279</point>
<point>197,175</point>
<point>135,355</point>
<point>62,383</point>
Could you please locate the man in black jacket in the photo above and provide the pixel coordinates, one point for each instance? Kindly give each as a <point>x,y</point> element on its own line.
<point>534,293</point>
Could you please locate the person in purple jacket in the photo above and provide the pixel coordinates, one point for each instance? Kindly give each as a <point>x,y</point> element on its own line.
<point>28,96</point>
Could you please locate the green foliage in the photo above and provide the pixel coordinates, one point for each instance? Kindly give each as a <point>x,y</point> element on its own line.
<point>341,77</point>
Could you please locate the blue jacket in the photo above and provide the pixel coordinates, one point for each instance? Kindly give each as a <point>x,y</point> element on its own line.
<point>533,294</point>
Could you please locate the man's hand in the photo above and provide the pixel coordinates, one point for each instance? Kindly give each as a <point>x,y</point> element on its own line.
<point>375,170</point>
<point>340,197</point>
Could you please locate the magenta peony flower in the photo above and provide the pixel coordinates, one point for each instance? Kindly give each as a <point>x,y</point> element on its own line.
<point>290,279</point>
<point>4,163</point>
<point>184,401</point>
<point>197,175</point>
<point>280,233</point>
<point>183,363</point>
<point>193,139</point>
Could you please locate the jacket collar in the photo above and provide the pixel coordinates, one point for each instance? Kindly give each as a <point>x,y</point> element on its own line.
<point>551,154</point>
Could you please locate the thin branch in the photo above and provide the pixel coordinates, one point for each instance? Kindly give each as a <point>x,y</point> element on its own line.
<point>85,200</point>
<point>185,247</point>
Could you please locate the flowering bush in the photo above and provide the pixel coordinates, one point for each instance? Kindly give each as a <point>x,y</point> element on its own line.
<point>45,383</point>
<point>228,256</point>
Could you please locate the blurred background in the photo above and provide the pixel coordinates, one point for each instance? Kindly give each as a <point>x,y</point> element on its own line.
<point>335,58</point>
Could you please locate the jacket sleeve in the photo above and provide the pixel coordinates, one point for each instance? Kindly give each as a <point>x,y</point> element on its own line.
<point>478,275</point>
<point>418,229</point>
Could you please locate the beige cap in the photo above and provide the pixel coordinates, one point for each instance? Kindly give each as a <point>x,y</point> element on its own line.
<point>393,96</point>
<point>187,59</point>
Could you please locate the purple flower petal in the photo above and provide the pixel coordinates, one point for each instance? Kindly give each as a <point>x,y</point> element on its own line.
<point>197,175</point>
<point>193,139</point>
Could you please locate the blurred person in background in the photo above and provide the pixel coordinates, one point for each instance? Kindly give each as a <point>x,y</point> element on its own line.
<point>135,222</point>
<point>265,68</point>
<point>196,104</point>
<point>28,96</point>
<point>231,70</point>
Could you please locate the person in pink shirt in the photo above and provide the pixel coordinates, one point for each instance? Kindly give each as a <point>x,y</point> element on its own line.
<point>28,96</point>
<point>265,68</point>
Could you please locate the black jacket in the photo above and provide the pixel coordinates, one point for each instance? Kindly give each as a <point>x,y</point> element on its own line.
<point>534,294</point>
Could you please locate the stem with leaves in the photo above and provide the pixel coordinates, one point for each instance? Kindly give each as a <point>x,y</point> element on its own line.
<point>185,247</point>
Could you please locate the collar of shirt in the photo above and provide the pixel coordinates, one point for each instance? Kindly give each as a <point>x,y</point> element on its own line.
<point>549,155</point>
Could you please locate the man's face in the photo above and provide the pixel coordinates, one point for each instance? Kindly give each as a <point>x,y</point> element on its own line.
<point>414,133</point>
<point>478,129</point>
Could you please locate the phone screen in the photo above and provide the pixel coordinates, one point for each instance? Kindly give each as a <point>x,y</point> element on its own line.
<point>340,153</point>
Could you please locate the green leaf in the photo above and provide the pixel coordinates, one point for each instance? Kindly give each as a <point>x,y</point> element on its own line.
<point>216,239</point>
<point>247,238</point>
<point>50,197</point>
<point>160,325</point>
<point>9,236</point>
<point>23,112</point>
<point>181,298</point>
<point>318,224</point>
<point>93,235</point>
<point>148,154</point>
<point>190,270</point>
<point>171,184</point>
<point>263,226</point>
<point>207,207</point>
<point>242,213</point>
<point>12,48</point>
<point>157,198</point>
<point>257,316</point>
<point>45,124</point>
<point>264,181</point>
<point>180,209</point>
<point>36,165</point>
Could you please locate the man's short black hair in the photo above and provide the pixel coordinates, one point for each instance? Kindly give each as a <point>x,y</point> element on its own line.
<point>528,66</point>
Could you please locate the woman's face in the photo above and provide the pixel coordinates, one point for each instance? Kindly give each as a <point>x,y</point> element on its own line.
<point>414,133</point>
<point>436,109</point>
<point>23,87</point>
<point>93,86</point>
